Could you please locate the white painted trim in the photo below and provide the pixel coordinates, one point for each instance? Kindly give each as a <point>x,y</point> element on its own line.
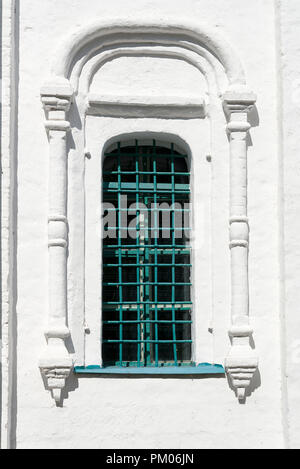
<point>242,361</point>
<point>56,363</point>
<point>146,106</point>
<point>238,100</point>
<point>164,131</point>
<point>207,37</point>
<point>192,54</point>
<point>147,100</point>
<point>8,150</point>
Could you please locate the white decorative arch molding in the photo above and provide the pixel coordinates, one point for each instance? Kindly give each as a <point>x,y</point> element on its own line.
<point>73,69</point>
<point>101,29</point>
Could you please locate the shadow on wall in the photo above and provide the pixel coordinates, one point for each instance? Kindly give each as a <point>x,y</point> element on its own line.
<point>255,384</point>
<point>254,121</point>
<point>73,381</point>
<point>255,381</point>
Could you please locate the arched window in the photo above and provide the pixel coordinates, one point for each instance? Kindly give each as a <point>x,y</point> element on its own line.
<point>74,100</point>
<point>146,299</point>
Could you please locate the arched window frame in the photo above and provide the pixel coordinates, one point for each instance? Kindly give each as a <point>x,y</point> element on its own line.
<point>211,52</point>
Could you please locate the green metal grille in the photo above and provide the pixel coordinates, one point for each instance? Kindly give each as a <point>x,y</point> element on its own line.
<point>147,308</point>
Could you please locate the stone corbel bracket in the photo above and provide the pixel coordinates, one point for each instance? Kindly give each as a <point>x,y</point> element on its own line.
<point>242,361</point>
<point>56,363</point>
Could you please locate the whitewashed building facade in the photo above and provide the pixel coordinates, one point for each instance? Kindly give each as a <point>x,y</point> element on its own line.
<point>197,343</point>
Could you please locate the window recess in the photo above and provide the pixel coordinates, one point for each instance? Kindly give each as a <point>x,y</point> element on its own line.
<point>147,309</point>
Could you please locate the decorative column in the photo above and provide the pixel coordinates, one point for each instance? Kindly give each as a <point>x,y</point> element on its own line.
<point>56,363</point>
<point>242,361</point>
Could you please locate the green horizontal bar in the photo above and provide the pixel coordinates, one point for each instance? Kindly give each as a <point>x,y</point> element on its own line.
<point>146,341</point>
<point>145,246</point>
<point>152,364</point>
<point>201,369</point>
<point>158,209</point>
<point>149,321</point>
<point>142,266</point>
<point>128,284</point>
<point>145,185</point>
<point>148,303</point>
<point>133,308</point>
<point>133,252</point>
<point>146,228</point>
<point>161,191</point>
<point>146,173</point>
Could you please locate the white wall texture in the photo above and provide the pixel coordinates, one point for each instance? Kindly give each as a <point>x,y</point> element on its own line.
<point>164,413</point>
<point>289,118</point>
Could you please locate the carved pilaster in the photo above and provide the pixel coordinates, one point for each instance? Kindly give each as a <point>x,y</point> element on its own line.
<point>56,363</point>
<point>242,361</point>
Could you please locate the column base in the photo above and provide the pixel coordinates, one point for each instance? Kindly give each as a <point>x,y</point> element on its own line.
<point>241,365</point>
<point>56,366</point>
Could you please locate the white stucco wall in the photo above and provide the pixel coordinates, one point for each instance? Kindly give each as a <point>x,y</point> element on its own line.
<point>103,412</point>
<point>290,168</point>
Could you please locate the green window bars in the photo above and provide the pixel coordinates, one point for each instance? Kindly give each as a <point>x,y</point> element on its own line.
<point>146,297</point>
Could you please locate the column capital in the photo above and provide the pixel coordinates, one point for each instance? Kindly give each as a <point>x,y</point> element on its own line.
<point>238,99</point>
<point>57,86</point>
<point>55,103</point>
<point>56,97</point>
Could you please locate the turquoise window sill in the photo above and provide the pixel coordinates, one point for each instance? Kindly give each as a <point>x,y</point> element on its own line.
<point>202,369</point>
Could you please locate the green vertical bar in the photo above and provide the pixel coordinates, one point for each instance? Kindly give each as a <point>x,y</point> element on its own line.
<point>120,256</point>
<point>146,298</point>
<point>173,256</point>
<point>156,256</point>
<point>138,293</point>
<point>146,283</point>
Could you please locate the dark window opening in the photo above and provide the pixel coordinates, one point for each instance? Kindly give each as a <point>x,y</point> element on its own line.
<point>146,297</point>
